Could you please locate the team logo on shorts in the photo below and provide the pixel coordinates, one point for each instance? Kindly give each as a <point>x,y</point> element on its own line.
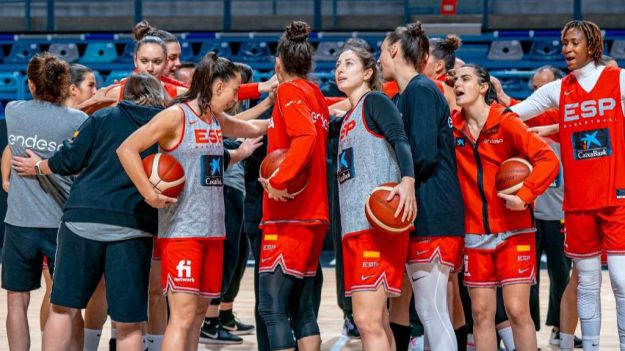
<point>184,271</point>
<point>591,144</point>
<point>212,170</point>
<point>346,166</point>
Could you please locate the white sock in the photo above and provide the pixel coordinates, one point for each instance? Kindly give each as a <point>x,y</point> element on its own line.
<point>154,342</point>
<point>589,300</point>
<point>470,342</point>
<point>567,342</point>
<point>92,339</point>
<point>113,333</point>
<point>508,339</point>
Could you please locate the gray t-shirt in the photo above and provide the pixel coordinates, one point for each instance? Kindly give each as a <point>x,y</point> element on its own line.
<point>105,232</point>
<point>234,177</point>
<point>549,204</point>
<point>41,127</point>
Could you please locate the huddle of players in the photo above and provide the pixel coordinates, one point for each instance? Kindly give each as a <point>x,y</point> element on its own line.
<point>444,162</point>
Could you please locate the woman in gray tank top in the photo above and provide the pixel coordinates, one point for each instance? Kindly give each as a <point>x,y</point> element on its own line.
<point>191,241</point>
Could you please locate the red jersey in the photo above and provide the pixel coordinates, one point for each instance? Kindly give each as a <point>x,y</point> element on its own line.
<point>549,117</point>
<point>593,145</point>
<point>502,137</point>
<point>248,91</point>
<point>299,123</point>
<point>172,81</point>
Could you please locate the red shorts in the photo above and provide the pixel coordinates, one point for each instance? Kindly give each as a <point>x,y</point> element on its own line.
<point>192,265</point>
<point>513,261</point>
<point>156,252</point>
<point>374,258</point>
<point>45,263</point>
<point>588,233</point>
<point>446,249</point>
<point>295,248</point>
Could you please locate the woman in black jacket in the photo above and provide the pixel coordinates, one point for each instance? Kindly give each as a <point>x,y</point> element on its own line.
<point>106,227</point>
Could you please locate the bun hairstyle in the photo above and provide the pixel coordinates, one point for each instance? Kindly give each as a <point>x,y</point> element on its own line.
<point>414,43</point>
<point>144,29</point>
<point>210,69</point>
<point>144,34</point>
<point>362,50</point>
<point>51,77</point>
<point>445,49</point>
<point>484,77</point>
<point>294,50</point>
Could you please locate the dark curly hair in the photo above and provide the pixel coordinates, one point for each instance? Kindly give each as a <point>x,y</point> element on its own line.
<point>294,50</point>
<point>50,76</point>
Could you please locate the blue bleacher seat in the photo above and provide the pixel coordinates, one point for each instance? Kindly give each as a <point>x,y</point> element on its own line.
<point>67,52</point>
<point>99,53</point>
<point>9,85</point>
<point>116,76</point>
<point>473,53</point>
<point>99,81</point>
<point>128,54</point>
<point>546,50</point>
<point>328,50</point>
<point>186,52</point>
<point>222,49</point>
<point>252,51</point>
<point>22,52</point>
<point>505,50</point>
<point>618,49</point>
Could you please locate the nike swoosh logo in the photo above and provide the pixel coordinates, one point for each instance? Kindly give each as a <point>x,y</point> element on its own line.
<point>421,277</point>
<point>365,277</point>
<point>567,93</point>
<point>214,336</point>
<point>419,253</point>
<point>150,340</point>
<point>265,260</point>
<point>192,122</point>
<point>521,271</point>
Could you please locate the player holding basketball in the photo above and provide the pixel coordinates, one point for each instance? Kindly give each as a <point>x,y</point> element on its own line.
<point>436,243</point>
<point>591,129</point>
<point>294,227</point>
<point>372,137</point>
<point>191,242</point>
<point>499,245</point>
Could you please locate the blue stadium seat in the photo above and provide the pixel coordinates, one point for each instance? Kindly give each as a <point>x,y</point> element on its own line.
<point>505,50</point>
<point>618,49</point>
<point>512,84</point>
<point>328,50</point>
<point>116,76</point>
<point>99,53</point>
<point>252,51</point>
<point>186,52</point>
<point>546,50</point>
<point>128,54</point>
<point>222,49</point>
<point>67,52</point>
<point>9,85</point>
<point>22,52</point>
<point>473,53</point>
<point>99,81</point>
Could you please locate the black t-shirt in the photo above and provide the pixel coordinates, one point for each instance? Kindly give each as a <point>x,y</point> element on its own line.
<point>427,122</point>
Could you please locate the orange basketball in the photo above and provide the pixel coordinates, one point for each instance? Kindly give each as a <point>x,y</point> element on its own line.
<point>380,213</point>
<point>271,164</point>
<point>165,173</point>
<point>511,174</point>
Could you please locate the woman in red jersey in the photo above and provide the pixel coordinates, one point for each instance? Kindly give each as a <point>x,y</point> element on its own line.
<point>294,227</point>
<point>592,134</point>
<point>499,244</point>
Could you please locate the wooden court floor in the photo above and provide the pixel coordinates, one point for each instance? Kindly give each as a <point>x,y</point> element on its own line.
<point>330,319</point>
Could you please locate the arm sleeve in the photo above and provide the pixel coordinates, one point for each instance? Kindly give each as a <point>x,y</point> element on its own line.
<point>300,128</point>
<point>248,91</point>
<point>538,152</point>
<point>382,117</point>
<point>420,118</point>
<point>335,126</point>
<point>73,156</point>
<point>546,97</point>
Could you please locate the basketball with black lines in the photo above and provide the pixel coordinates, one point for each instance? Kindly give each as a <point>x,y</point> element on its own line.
<point>271,165</point>
<point>381,213</point>
<point>165,174</point>
<point>511,175</point>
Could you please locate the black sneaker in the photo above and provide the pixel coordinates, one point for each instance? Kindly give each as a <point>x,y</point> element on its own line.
<point>236,327</point>
<point>112,344</point>
<point>349,327</point>
<point>216,334</point>
<point>555,339</point>
<point>577,343</point>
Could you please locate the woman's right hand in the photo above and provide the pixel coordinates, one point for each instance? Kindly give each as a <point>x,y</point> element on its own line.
<point>407,199</point>
<point>157,200</point>
<point>544,131</point>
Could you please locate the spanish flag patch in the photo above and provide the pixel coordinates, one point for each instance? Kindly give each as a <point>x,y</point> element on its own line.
<point>371,254</point>
<point>271,237</point>
<point>522,248</point>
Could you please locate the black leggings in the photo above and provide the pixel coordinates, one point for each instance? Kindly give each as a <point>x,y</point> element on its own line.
<point>282,297</point>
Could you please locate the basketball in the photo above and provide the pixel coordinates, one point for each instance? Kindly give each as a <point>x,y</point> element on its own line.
<point>165,174</point>
<point>380,213</point>
<point>511,174</point>
<point>271,164</point>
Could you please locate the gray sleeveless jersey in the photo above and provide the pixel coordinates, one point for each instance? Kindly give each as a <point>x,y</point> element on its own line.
<point>199,212</point>
<point>365,161</point>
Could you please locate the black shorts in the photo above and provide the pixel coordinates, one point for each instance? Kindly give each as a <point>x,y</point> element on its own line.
<point>126,267</point>
<point>22,256</point>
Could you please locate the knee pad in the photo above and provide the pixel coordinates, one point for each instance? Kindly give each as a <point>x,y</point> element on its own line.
<point>588,291</point>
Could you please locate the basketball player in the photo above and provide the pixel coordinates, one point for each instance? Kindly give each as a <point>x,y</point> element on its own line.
<point>184,73</point>
<point>374,260</point>
<point>436,242</point>
<point>592,147</point>
<point>294,227</point>
<point>499,245</point>
<point>191,242</point>
<point>33,212</point>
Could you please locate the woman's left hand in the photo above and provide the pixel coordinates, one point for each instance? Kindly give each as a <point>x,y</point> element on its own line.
<point>275,194</point>
<point>407,200</point>
<point>513,202</point>
<point>25,166</point>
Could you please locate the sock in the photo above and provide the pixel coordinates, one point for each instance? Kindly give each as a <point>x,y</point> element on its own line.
<point>211,321</point>
<point>401,333</point>
<point>567,342</point>
<point>92,339</point>
<point>461,338</point>
<point>506,336</point>
<point>154,342</point>
<point>470,342</point>
<point>113,333</point>
<point>226,316</point>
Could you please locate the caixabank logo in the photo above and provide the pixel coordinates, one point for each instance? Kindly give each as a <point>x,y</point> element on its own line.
<point>590,144</point>
<point>212,170</point>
